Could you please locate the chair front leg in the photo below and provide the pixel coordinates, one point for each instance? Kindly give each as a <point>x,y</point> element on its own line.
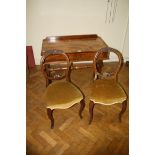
<point>50,116</point>
<point>91,107</point>
<point>124,105</point>
<point>82,105</point>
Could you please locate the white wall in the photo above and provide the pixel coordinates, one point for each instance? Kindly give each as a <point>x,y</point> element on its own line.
<point>69,17</point>
<point>125,50</point>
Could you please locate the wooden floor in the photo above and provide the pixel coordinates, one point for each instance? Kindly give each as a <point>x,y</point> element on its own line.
<point>72,136</point>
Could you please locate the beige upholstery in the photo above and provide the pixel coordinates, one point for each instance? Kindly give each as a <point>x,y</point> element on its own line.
<point>107,92</point>
<point>62,95</point>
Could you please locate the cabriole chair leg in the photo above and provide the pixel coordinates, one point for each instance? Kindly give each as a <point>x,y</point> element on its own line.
<point>50,116</point>
<point>82,105</point>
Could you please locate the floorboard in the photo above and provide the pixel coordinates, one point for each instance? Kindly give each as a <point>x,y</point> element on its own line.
<point>71,135</point>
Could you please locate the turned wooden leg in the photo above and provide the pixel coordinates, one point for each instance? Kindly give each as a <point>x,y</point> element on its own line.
<point>50,116</point>
<point>91,107</point>
<point>82,103</point>
<point>124,105</point>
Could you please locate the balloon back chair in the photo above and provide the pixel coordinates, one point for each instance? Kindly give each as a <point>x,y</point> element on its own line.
<point>105,89</point>
<point>60,94</point>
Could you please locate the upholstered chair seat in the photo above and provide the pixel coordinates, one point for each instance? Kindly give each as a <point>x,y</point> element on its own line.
<point>107,92</point>
<point>62,95</point>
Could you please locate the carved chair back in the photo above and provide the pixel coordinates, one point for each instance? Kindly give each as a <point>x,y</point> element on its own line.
<point>97,64</point>
<point>55,70</point>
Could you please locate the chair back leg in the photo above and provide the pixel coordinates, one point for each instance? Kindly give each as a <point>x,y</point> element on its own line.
<point>124,105</point>
<point>91,107</point>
